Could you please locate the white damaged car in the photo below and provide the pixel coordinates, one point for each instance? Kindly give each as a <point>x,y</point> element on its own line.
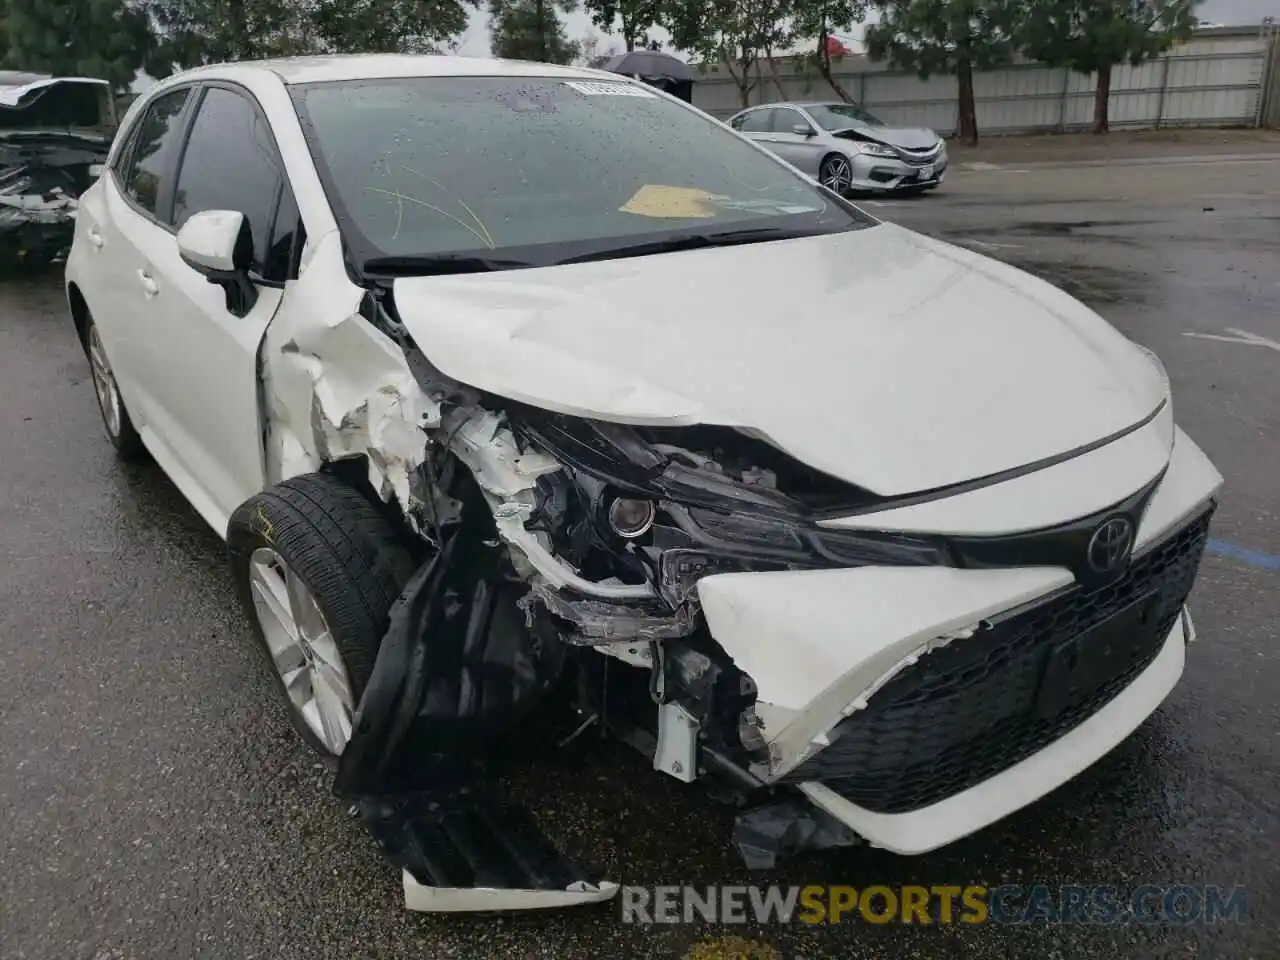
<point>878,536</point>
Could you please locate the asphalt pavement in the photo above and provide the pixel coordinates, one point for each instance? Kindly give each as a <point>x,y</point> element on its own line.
<point>155,803</point>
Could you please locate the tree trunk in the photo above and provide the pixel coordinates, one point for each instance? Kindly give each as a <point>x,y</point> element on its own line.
<point>968,111</point>
<point>542,30</point>
<point>627,34</point>
<point>824,66</point>
<point>773,70</point>
<point>1101,100</point>
<point>741,80</point>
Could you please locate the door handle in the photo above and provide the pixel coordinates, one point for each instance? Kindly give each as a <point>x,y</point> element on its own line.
<point>148,285</point>
<point>95,239</point>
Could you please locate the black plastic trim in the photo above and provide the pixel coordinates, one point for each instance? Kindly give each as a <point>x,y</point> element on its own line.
<point>1003,476</point>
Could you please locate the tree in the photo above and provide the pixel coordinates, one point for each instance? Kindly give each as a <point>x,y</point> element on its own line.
<point>107,39</point>
<point>823,19</point>
<point>531,30</point>
<point>1092,36</point>
<point>589,53</point>
<point>196,32</point>
<point>736,33</point>
<point>946,36</point>
<point>389,26</point>
<point>634,16</point>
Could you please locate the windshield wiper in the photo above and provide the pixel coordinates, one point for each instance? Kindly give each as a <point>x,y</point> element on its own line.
<point>696,241</point>
<point>437,265</point>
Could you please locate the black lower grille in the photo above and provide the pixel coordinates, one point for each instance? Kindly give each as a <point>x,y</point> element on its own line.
<point>976,707</point>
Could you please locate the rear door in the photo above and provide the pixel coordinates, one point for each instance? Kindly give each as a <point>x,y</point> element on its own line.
<point>120,219</point>
<point>754,125</point>
<point>206,356</point>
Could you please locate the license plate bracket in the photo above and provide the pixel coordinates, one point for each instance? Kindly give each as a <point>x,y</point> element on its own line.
<point>1079,666</point>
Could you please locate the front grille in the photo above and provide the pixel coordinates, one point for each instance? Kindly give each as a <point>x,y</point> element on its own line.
<point>919,157</point>
<point>974,708</point>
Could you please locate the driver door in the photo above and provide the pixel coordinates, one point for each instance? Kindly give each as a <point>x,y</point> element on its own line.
<point>204,356</point>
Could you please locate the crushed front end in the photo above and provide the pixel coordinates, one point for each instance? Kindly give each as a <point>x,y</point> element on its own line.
<point>843,666</point>
<point>900,688</point>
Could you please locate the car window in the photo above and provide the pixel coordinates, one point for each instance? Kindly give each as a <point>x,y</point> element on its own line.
<point>757,121</point>
<point>784,118</point>
<point>147,160</point>
<point>287,238</point>
<point>230,164</point>
<point>833,116</point>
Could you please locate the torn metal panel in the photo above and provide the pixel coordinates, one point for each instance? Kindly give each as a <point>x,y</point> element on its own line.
<point>336,387</point>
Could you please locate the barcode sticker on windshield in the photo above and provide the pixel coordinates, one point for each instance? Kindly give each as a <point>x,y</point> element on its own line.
<point>592,88</point>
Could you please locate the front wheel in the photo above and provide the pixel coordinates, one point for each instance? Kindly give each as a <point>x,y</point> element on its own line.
<point>318,568</point>
<point>836,174</point>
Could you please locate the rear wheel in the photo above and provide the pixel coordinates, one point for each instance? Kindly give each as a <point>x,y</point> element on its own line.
<point>318,568</point>
<point>115,417</point>
<point>836,174</point>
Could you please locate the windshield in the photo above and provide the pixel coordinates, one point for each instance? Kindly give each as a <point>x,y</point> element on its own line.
<point>527,171</point>
<point>833,116</point>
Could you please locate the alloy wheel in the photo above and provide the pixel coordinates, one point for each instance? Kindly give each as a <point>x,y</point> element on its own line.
<point>837,175</point>
<point>104,383</point>
<point>302,648</point>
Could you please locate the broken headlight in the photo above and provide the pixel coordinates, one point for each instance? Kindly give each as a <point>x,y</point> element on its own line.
<point>653,513</point>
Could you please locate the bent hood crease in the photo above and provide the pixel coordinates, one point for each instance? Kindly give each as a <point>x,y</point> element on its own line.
<point>885,358</point>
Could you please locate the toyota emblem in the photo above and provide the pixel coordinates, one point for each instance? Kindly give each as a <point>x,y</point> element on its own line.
<point>1110,545</point>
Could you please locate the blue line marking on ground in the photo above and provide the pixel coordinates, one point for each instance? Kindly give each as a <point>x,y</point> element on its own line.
<point>1267,561</point>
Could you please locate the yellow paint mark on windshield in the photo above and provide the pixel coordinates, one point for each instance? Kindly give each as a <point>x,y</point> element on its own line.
<point>653,200</point>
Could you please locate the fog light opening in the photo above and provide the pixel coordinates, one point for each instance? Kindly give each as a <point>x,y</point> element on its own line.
<point>631,518</point>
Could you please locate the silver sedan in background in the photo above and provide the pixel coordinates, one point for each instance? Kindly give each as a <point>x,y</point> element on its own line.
<point>845,148</point>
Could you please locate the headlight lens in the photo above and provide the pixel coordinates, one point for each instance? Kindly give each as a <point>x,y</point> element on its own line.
<point>877,150</point>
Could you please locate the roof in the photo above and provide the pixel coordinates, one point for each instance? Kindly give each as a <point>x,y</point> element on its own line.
<point>358,66</point>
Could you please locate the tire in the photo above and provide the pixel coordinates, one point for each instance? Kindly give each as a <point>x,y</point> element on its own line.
<point>351,563</point>
<point>826,173</point>
<point>115,416</point>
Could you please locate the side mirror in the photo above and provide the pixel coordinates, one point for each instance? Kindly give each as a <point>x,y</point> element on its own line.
<point>802,130</point>
<point>218,244</point>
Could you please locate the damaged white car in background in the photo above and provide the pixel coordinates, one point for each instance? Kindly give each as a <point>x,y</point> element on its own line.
<point>54,136</point>
<point>881,538</point>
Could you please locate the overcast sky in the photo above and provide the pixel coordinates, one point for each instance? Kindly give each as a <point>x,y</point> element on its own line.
<point>475,42</point>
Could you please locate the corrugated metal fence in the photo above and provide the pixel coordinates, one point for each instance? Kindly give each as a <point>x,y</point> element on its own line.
<point>1218,78</point>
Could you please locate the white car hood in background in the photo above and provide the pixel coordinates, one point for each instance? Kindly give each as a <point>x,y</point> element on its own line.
<point>880,356</point>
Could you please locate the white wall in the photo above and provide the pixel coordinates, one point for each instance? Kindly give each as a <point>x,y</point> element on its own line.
<point>1215,79</point>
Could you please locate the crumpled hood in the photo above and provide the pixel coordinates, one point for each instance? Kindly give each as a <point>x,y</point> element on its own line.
<point>909,138</point>
<point>890,360</point>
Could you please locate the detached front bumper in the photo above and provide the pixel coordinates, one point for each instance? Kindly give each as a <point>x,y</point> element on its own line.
<point>918,705</point>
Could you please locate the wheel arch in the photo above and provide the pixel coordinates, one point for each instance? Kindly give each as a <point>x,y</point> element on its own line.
<point>79,308</point>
